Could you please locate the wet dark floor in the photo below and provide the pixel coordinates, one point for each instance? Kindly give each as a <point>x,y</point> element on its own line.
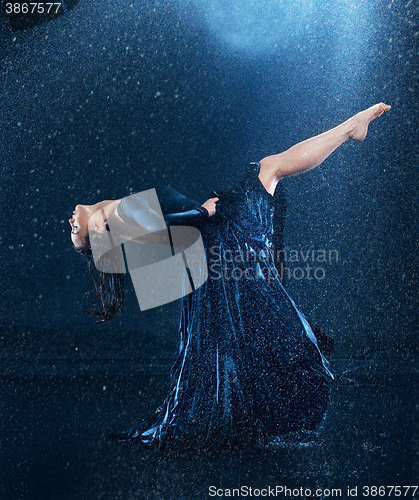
<point>52,444</point>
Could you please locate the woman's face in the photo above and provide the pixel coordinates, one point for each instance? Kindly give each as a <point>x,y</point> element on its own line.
<point>85,218</point>
<point>82,216</point>
<point>78,225</point>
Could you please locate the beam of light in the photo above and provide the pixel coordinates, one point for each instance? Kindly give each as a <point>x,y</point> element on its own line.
<point>255,26</point>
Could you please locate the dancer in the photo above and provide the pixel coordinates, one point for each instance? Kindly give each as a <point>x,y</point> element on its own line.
<point>250,364</point>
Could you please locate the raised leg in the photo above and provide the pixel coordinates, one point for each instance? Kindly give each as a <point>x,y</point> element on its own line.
<point>309,154</point>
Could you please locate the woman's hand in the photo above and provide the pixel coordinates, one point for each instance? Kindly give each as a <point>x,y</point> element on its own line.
<point>211,206</point>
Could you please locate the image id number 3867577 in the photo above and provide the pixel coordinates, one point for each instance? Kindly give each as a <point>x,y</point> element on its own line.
<point>396,491</point>
<point>33,8</point>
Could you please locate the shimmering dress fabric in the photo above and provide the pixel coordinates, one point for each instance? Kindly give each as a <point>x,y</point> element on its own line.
<point>249,364</point>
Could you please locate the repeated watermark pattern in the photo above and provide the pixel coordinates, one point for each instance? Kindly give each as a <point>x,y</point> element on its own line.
<point>251,264</point>
<point>166,264</point>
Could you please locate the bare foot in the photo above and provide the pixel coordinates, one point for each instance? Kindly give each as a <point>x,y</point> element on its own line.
<point>362,120</point>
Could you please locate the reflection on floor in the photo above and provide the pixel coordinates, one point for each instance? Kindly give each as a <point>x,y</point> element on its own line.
<point>52,448</point>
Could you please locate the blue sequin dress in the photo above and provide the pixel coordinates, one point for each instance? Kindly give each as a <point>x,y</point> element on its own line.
<point>250,365</point>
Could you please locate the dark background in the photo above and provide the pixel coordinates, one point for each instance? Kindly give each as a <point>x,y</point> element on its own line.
<point>114,96</point>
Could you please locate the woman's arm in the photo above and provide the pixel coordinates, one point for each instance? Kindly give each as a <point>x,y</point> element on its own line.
<point>310,153</point>
<point>177,210</point>
<point>136,215</point>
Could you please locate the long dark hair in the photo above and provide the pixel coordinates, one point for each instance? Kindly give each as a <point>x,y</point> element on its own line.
<point>107,295</point>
